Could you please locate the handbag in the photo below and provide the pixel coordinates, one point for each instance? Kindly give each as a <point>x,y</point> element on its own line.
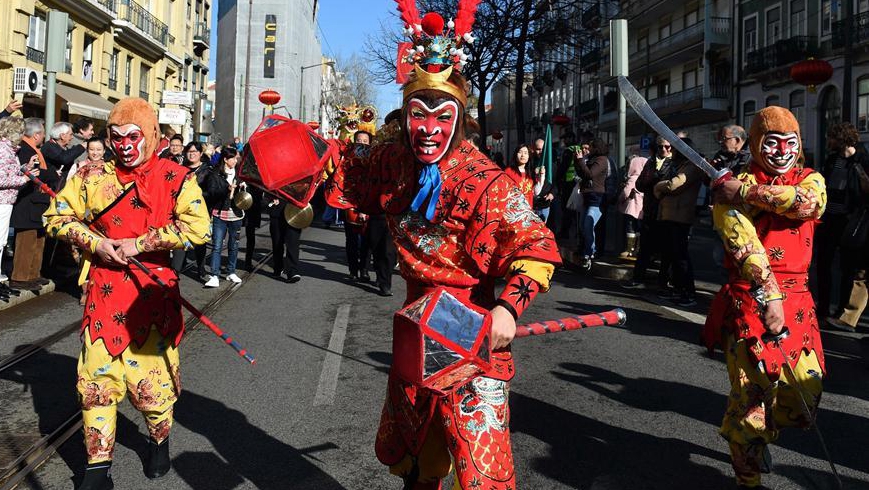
<point>857,230</point>
<point>574,202</point>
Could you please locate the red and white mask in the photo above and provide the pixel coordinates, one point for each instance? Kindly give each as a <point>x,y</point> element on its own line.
<point>431,129</point>
<point>128,142</point>
<point>780,151</point>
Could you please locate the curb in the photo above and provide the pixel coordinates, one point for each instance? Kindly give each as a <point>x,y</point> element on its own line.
<point>27,295</point>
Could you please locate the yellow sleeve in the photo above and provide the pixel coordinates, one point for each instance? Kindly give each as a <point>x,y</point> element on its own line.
<point>805,201</point>
<point>190,226</point>
<point>541,272</point>
<point>65,216</point>
<point>740,239</point>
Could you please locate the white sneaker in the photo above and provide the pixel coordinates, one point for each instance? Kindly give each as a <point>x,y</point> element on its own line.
<point>234,278</point>
<point>212,282</point>
<point>3,278</point>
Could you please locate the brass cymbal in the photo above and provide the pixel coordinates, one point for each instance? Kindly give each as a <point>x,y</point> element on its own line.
<point>298,217</point>
<point>242,200</point>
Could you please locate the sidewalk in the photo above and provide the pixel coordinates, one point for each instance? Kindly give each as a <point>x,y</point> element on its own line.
<point>27,296</point>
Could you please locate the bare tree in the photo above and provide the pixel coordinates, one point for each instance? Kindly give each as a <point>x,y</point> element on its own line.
<point>358,86</point>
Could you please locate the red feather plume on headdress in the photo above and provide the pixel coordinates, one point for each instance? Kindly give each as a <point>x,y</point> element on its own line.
<point>409,12</point>
<point>465,16</point>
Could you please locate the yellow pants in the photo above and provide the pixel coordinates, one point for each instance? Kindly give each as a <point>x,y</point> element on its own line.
<point>151,377</point>
<point>757,408</point>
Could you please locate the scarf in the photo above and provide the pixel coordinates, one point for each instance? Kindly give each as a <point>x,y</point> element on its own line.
<point>140,175</point>
<point>429,188</point>
<point>29,141</point>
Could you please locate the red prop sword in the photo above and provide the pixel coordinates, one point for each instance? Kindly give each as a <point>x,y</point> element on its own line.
<point>154,277</point>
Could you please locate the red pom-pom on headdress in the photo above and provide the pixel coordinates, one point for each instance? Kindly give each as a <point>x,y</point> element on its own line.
<point>433,24</point>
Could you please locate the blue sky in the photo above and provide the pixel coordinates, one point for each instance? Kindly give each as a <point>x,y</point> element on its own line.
<point>344,26</point>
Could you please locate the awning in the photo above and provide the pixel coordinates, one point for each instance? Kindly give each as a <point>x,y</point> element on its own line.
<point>85,103</point>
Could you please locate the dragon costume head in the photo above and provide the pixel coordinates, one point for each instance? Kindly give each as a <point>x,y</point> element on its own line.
<point>353,118</point>
<point>775,140</point>
<point>133,131</point>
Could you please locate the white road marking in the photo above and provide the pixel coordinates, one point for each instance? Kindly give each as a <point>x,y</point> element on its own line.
<point>332,362</point>
<point>691,317</point>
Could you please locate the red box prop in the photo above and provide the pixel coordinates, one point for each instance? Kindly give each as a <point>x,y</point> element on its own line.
<point>439,342</point>
<point>285,157</point>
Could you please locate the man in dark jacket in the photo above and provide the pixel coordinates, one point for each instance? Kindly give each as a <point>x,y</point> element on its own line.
<point>58,152</point>
<point>732,153</point>
<point>28,209</point>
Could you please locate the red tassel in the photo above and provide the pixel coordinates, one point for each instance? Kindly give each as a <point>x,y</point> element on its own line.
<point>465,17</point>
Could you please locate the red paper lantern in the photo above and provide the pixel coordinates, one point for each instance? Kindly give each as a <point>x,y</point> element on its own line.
<point>560,120</point>
<point>269,97</point>
<point>812,72</point>
<point>497,136</point>
<point>315,125</point>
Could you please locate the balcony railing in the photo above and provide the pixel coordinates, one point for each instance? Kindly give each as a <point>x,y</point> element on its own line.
<point>132,12</point>
<point>113,84</point>
<point>201,34</point>
<point>719,32</point>
<point>111,5</point>
<point>859,26</point>
<point>35,55</point>
<point>590,62</point>
<point>587,107</point>
<point>780,54</point>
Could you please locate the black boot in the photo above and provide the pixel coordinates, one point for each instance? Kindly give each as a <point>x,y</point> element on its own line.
<point>97,477</point>
<point>158,463</point>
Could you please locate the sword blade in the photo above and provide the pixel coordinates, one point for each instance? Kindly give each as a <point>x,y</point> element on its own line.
<point>642,108</point>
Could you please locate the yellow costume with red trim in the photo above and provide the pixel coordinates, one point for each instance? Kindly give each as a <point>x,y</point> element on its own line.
<point>131,326</point>
<point>768,239</point>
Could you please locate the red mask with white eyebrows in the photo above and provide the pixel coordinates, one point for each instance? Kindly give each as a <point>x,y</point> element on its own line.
<point>128,142</point>
<point>431,129</point>
<point>780,151</point>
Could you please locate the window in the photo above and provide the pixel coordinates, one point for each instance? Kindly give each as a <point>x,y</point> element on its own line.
<point>798,18</point>
<point>664,29</point>
<point>36,32</point>
<point>144,81</point>
<point>128,74</point>
<point>113,69</point>
<point>689,77</point>
<point>68,54</point>
<point>773,100</point>
<point>642,40</point>
<point>863,105</point>
<point>826,17</point>
<point>87,64</point>
<point>862,7</point>
<point>773,25</point>
<point>749,107</point>
<point>692,14</point>
<point>749,28</point>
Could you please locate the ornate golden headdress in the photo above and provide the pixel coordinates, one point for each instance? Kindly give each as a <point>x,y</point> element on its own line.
<point>427,62</point>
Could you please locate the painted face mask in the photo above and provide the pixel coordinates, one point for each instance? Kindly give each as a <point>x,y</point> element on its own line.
<point>431,130</point>
<point>780,151</point>
<point>128,141</point>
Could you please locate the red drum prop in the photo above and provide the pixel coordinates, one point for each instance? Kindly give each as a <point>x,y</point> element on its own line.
<point>286,157</point>
<point>439,342</point>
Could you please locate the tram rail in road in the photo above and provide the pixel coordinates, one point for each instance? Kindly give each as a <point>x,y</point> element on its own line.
<point>12,473</point>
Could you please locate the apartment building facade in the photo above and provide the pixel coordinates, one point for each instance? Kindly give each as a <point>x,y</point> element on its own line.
<point>120,48</point>
<point>775,35</point>
<point>267,44</point>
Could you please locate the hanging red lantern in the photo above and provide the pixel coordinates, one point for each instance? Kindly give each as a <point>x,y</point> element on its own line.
<point>497,136</point>
<point>269,97</point>
<point>811,73</point>
<point>560,120</point>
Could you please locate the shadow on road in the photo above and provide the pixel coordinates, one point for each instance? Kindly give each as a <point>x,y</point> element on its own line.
<point>585,451</point>
<point>247,451</point>
<point>50,379</point>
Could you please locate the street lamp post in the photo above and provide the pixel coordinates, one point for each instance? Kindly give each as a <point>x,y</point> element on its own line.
<point>302,85</point>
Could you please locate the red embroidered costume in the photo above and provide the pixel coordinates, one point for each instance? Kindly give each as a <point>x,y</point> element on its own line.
<point>459,222</point>
<point>768,236</point>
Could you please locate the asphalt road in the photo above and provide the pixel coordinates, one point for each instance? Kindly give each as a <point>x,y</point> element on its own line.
<point>610,408</point>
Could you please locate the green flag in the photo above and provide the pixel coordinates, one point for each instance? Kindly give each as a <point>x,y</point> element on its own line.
<point>547,154</point>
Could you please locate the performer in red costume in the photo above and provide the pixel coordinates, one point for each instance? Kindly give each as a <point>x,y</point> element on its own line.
<point>141,206</point>
<point>766,218</point>
<point>459,222</point>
